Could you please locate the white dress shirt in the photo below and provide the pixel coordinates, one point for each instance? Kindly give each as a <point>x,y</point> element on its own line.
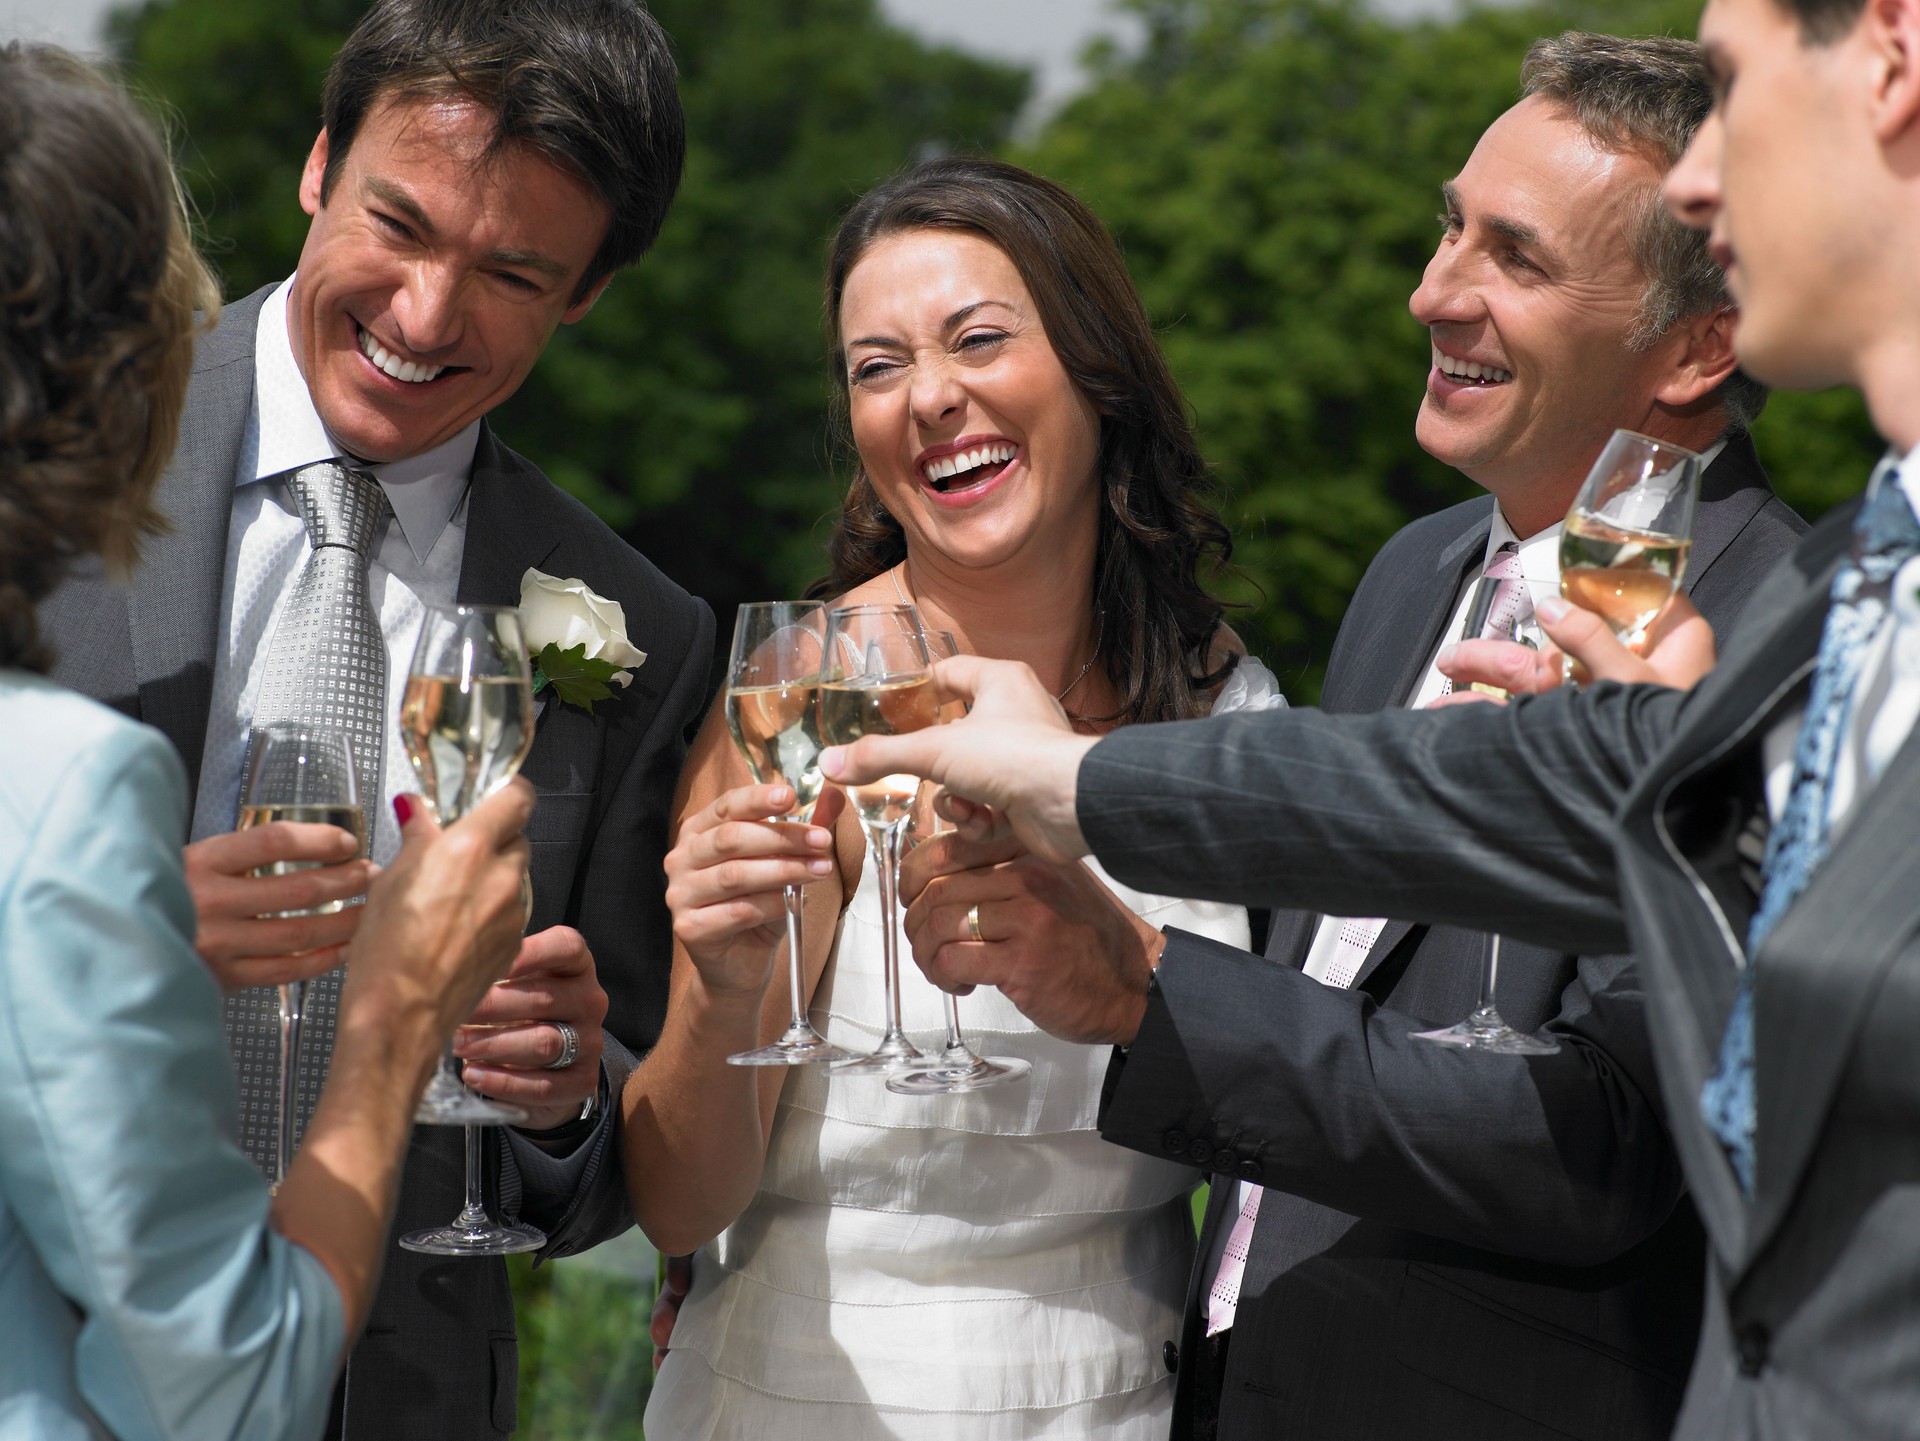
<point>416,562</point>
<point>1886,695</point>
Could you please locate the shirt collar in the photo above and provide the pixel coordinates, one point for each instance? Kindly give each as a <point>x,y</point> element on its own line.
<point>424,490</point>
<point>1906,472</point>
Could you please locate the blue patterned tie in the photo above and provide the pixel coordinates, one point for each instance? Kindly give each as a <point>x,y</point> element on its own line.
<point>1885,537</point>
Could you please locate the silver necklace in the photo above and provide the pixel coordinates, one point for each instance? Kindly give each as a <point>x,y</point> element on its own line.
<point>1100,634</point>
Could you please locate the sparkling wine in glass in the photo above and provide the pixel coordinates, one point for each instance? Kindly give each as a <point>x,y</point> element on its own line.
<point>875,679</point>
<point>958,1067</point>
<point>1624,548</point>
<point>773,710</point>
<point>467,722</point>
<point>306,774</point>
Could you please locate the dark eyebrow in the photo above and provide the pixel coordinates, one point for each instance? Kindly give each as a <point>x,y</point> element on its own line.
<point>387,193</point>
<point>1499,224</point>
<point>953,321</point>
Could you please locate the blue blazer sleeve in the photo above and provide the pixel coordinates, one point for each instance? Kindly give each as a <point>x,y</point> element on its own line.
<point>189,1316</point>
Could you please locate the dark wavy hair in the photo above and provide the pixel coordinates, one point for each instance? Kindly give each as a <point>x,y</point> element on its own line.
<point>1157,525</point>
<point>99,289</point>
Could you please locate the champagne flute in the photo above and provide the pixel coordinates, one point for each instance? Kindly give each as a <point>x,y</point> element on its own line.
<point>467,722</point>
<point>876,680</point>
<point>958,1067</point>
<point>298,773</point>
<point>1484,1030</point>
<point>1624,548</point>
<point>773,679</point>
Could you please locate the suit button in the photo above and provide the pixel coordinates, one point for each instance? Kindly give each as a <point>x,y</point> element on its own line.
<point>1753,1342</point>
<point>1170,1353</point>
<point>1199,1152</point>
<point>1175,1142</point>
<point>1250,1170</point>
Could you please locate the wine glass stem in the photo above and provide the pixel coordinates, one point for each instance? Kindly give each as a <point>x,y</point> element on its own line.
<point>885,840</point>
<point>794,903</point>
<point>1489,974</point>
<point>293,1005</point>
<point>957,1047</point>
<point>473,1215</point>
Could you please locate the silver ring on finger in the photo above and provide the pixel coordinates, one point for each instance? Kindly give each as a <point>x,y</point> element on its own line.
<point>973,923</point>
<point>569,1047</point>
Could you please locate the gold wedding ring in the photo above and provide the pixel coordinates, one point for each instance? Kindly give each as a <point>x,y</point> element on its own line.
<point>973,923</point>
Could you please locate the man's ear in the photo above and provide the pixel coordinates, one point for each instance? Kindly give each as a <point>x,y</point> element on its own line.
<point>1705,360</point>
<point>1891,32</point>
<point>312,176</point>
<point>578,310</point>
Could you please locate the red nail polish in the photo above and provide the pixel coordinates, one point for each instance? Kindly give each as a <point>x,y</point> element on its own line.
<point>402,810</point>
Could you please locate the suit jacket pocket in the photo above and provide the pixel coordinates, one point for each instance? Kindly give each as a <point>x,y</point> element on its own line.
<point>560,818</point>
<point>1557,1378</point>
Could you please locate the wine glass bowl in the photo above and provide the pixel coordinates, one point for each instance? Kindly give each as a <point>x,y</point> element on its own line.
<point>1624,549</point>
<point>772,707</point>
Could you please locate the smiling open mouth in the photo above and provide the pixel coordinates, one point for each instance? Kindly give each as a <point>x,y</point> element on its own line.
<point>1469,372</point>
<point>969,468</point>
<point>393,365</point>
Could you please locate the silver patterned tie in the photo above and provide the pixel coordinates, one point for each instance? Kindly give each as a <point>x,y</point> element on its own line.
<point>326,666</point>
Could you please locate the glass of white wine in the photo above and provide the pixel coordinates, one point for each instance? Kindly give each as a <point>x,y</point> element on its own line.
<point>467,722</point>
<point>958,1068</point>
<point>1624,549</point>
<point>1484,1030</point>
<point>773,682</point>
<point>875,679</point>
<point>305,774</point>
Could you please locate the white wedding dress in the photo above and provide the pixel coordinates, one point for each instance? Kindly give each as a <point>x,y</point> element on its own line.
<point>980,1266</point>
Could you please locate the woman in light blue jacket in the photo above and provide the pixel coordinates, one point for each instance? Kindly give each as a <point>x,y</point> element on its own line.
<point>149,1287</point>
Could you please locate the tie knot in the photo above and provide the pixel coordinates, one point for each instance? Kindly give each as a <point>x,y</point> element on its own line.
<point>340,505</point>
<point>1504,563</point>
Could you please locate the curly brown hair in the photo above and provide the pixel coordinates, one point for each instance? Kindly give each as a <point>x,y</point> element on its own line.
<point>99,288</point>
<point>1157,525</point>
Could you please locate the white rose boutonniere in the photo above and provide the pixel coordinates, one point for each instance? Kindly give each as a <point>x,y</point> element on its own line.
<point>577,640</point>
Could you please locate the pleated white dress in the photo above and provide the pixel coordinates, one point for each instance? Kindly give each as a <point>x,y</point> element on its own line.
<point>981,1266</point>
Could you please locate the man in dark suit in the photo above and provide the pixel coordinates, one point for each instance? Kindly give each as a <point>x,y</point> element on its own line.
<point>1753,838</point>
<point>1452,1243</point>
<point>484,170</point>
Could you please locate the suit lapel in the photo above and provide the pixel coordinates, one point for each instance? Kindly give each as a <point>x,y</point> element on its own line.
<point>1732,492</point>
<point>1816,975</point>
<point>510,525</point>
<point>1422,627</point>
<point>173,608</point>
<point>1690,989</point>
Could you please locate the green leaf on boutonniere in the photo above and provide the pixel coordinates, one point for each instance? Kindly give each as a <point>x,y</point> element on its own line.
<point>576,679</point>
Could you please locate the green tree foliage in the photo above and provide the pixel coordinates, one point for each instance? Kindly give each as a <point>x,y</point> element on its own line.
<point>1272,168</point>
<point>690,408</point>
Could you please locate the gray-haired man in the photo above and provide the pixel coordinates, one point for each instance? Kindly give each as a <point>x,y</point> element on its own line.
<point>1405,1240</point>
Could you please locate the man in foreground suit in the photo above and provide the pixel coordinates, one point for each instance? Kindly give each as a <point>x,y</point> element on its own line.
<point>485,168</point>
<point>1452,1243</point>
<point>1754,838</point>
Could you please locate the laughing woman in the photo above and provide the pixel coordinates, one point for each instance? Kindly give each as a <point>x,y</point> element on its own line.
<point>981,1264</point>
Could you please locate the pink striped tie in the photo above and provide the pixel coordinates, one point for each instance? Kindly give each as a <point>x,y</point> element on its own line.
<point>1513,602</point>
<point>1224,1298</point>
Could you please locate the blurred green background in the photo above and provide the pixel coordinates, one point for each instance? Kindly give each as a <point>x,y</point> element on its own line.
<point>1271,168</point>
